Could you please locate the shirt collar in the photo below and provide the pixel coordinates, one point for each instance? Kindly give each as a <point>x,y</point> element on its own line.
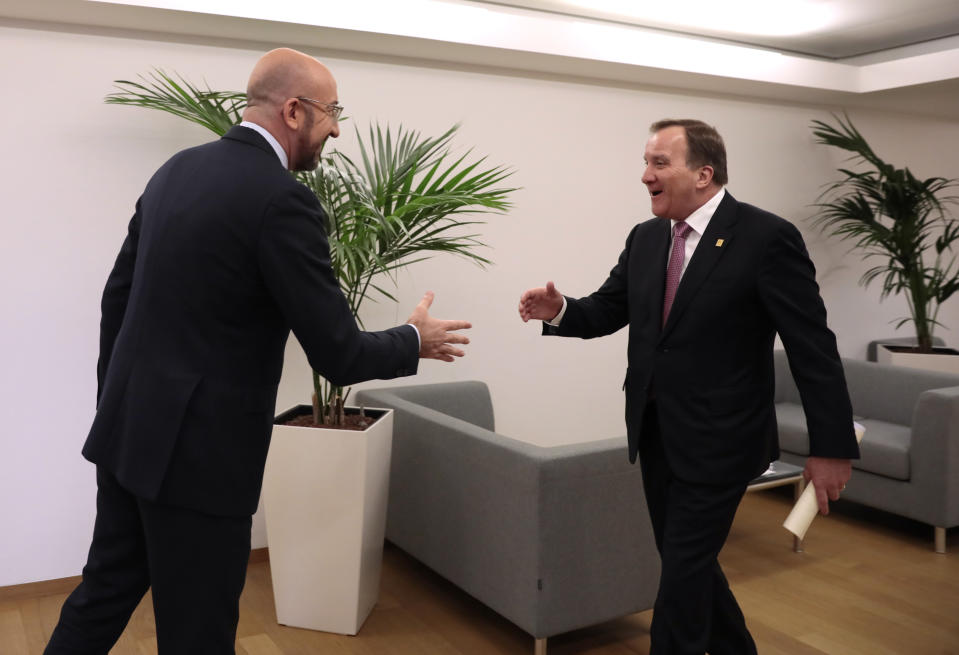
<point>699,219</point>
<point>280,152</point>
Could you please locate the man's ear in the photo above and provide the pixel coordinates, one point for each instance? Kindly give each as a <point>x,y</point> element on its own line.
<point>705,177</point>
<point>292,113</point>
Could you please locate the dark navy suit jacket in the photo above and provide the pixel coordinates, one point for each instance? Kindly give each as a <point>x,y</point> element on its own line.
<point>710,368</point>
<point>226,252</point>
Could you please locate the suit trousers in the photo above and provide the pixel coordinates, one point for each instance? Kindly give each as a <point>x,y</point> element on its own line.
<point>695,611</point>
<point>195,563</point>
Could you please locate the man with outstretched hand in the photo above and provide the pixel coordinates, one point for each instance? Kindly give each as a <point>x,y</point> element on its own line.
<point>225,254</point>
<point>705,287</point>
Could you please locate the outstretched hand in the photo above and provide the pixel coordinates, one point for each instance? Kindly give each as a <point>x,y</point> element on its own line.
<point>437,335</point>
<point>829,476</point>
<point>542,303</point>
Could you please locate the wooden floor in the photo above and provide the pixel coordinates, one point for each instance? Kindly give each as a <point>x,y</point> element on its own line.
<point>867,584</point>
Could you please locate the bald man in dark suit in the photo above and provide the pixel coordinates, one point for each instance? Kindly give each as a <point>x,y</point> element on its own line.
<point>226,253</point>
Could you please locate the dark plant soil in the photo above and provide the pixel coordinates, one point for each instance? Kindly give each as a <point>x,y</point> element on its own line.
<point>352,422</point>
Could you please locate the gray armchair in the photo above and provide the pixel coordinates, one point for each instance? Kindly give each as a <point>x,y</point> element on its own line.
<point>910,454</point>
<point>553,539</point>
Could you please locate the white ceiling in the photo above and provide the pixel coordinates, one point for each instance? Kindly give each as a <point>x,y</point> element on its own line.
<point>832,29</point>
<point>912,63</point>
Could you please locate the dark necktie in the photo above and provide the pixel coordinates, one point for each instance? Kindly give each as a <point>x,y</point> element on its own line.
<point>674,269</point>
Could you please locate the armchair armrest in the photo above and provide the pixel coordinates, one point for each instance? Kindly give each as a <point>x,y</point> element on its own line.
<point>934,454</point>
<point>463,501</point>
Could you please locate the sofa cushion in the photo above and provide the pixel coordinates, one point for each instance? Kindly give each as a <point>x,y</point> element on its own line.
<point>884,449</point>
<point>793,436</point>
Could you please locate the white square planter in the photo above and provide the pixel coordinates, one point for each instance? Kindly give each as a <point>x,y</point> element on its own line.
<point>325,495</point>
<point>943,360</point>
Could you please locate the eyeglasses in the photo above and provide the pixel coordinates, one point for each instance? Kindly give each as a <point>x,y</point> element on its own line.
<point>332,109</point>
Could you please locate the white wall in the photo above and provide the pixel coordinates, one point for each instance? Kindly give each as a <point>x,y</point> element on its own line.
<point>73,168</point>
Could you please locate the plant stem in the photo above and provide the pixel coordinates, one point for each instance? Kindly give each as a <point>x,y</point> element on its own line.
<point>317,394</point>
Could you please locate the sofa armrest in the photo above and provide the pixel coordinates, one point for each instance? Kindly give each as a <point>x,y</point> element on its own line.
<point>934,454</point>
<point>463,501</point>
<point>597,553</point>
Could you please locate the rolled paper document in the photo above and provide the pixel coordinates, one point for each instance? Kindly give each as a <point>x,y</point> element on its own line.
<point>806,508</point>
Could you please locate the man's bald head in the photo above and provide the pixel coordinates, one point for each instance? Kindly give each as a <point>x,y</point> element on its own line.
<point>293,96</point>
<point>284,73</point>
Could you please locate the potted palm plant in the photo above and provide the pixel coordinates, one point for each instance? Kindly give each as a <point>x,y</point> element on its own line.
<point>894,216</point>
<point>325,492</point>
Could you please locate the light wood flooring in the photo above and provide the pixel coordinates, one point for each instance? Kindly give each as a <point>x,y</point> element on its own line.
<point>866,584</point>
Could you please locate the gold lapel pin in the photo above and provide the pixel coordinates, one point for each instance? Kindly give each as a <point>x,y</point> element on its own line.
<point>720,242</point>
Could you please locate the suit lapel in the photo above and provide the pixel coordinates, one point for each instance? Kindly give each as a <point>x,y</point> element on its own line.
<point>656,254</point>
<point>712,246</point>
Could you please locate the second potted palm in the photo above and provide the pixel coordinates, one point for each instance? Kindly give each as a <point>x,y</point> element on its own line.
<point>902,220</point>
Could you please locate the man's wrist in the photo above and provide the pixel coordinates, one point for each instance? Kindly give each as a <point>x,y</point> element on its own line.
<point>556,320</point>
<point>419,340</point>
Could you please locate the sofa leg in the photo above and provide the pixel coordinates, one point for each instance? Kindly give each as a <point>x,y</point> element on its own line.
<point>539,646</point>
<point>940,540</point>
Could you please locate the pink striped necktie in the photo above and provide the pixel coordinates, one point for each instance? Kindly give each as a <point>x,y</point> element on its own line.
<point>674,270</point>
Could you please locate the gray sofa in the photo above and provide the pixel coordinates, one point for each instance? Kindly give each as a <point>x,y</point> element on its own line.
<point>910,453</point>
<point>553,539</point>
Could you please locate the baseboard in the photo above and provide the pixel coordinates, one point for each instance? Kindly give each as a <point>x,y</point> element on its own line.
<point>26,591</point>
<point>18,592</point>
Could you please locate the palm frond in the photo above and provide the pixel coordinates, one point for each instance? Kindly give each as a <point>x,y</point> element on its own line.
<point>217,111</point>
